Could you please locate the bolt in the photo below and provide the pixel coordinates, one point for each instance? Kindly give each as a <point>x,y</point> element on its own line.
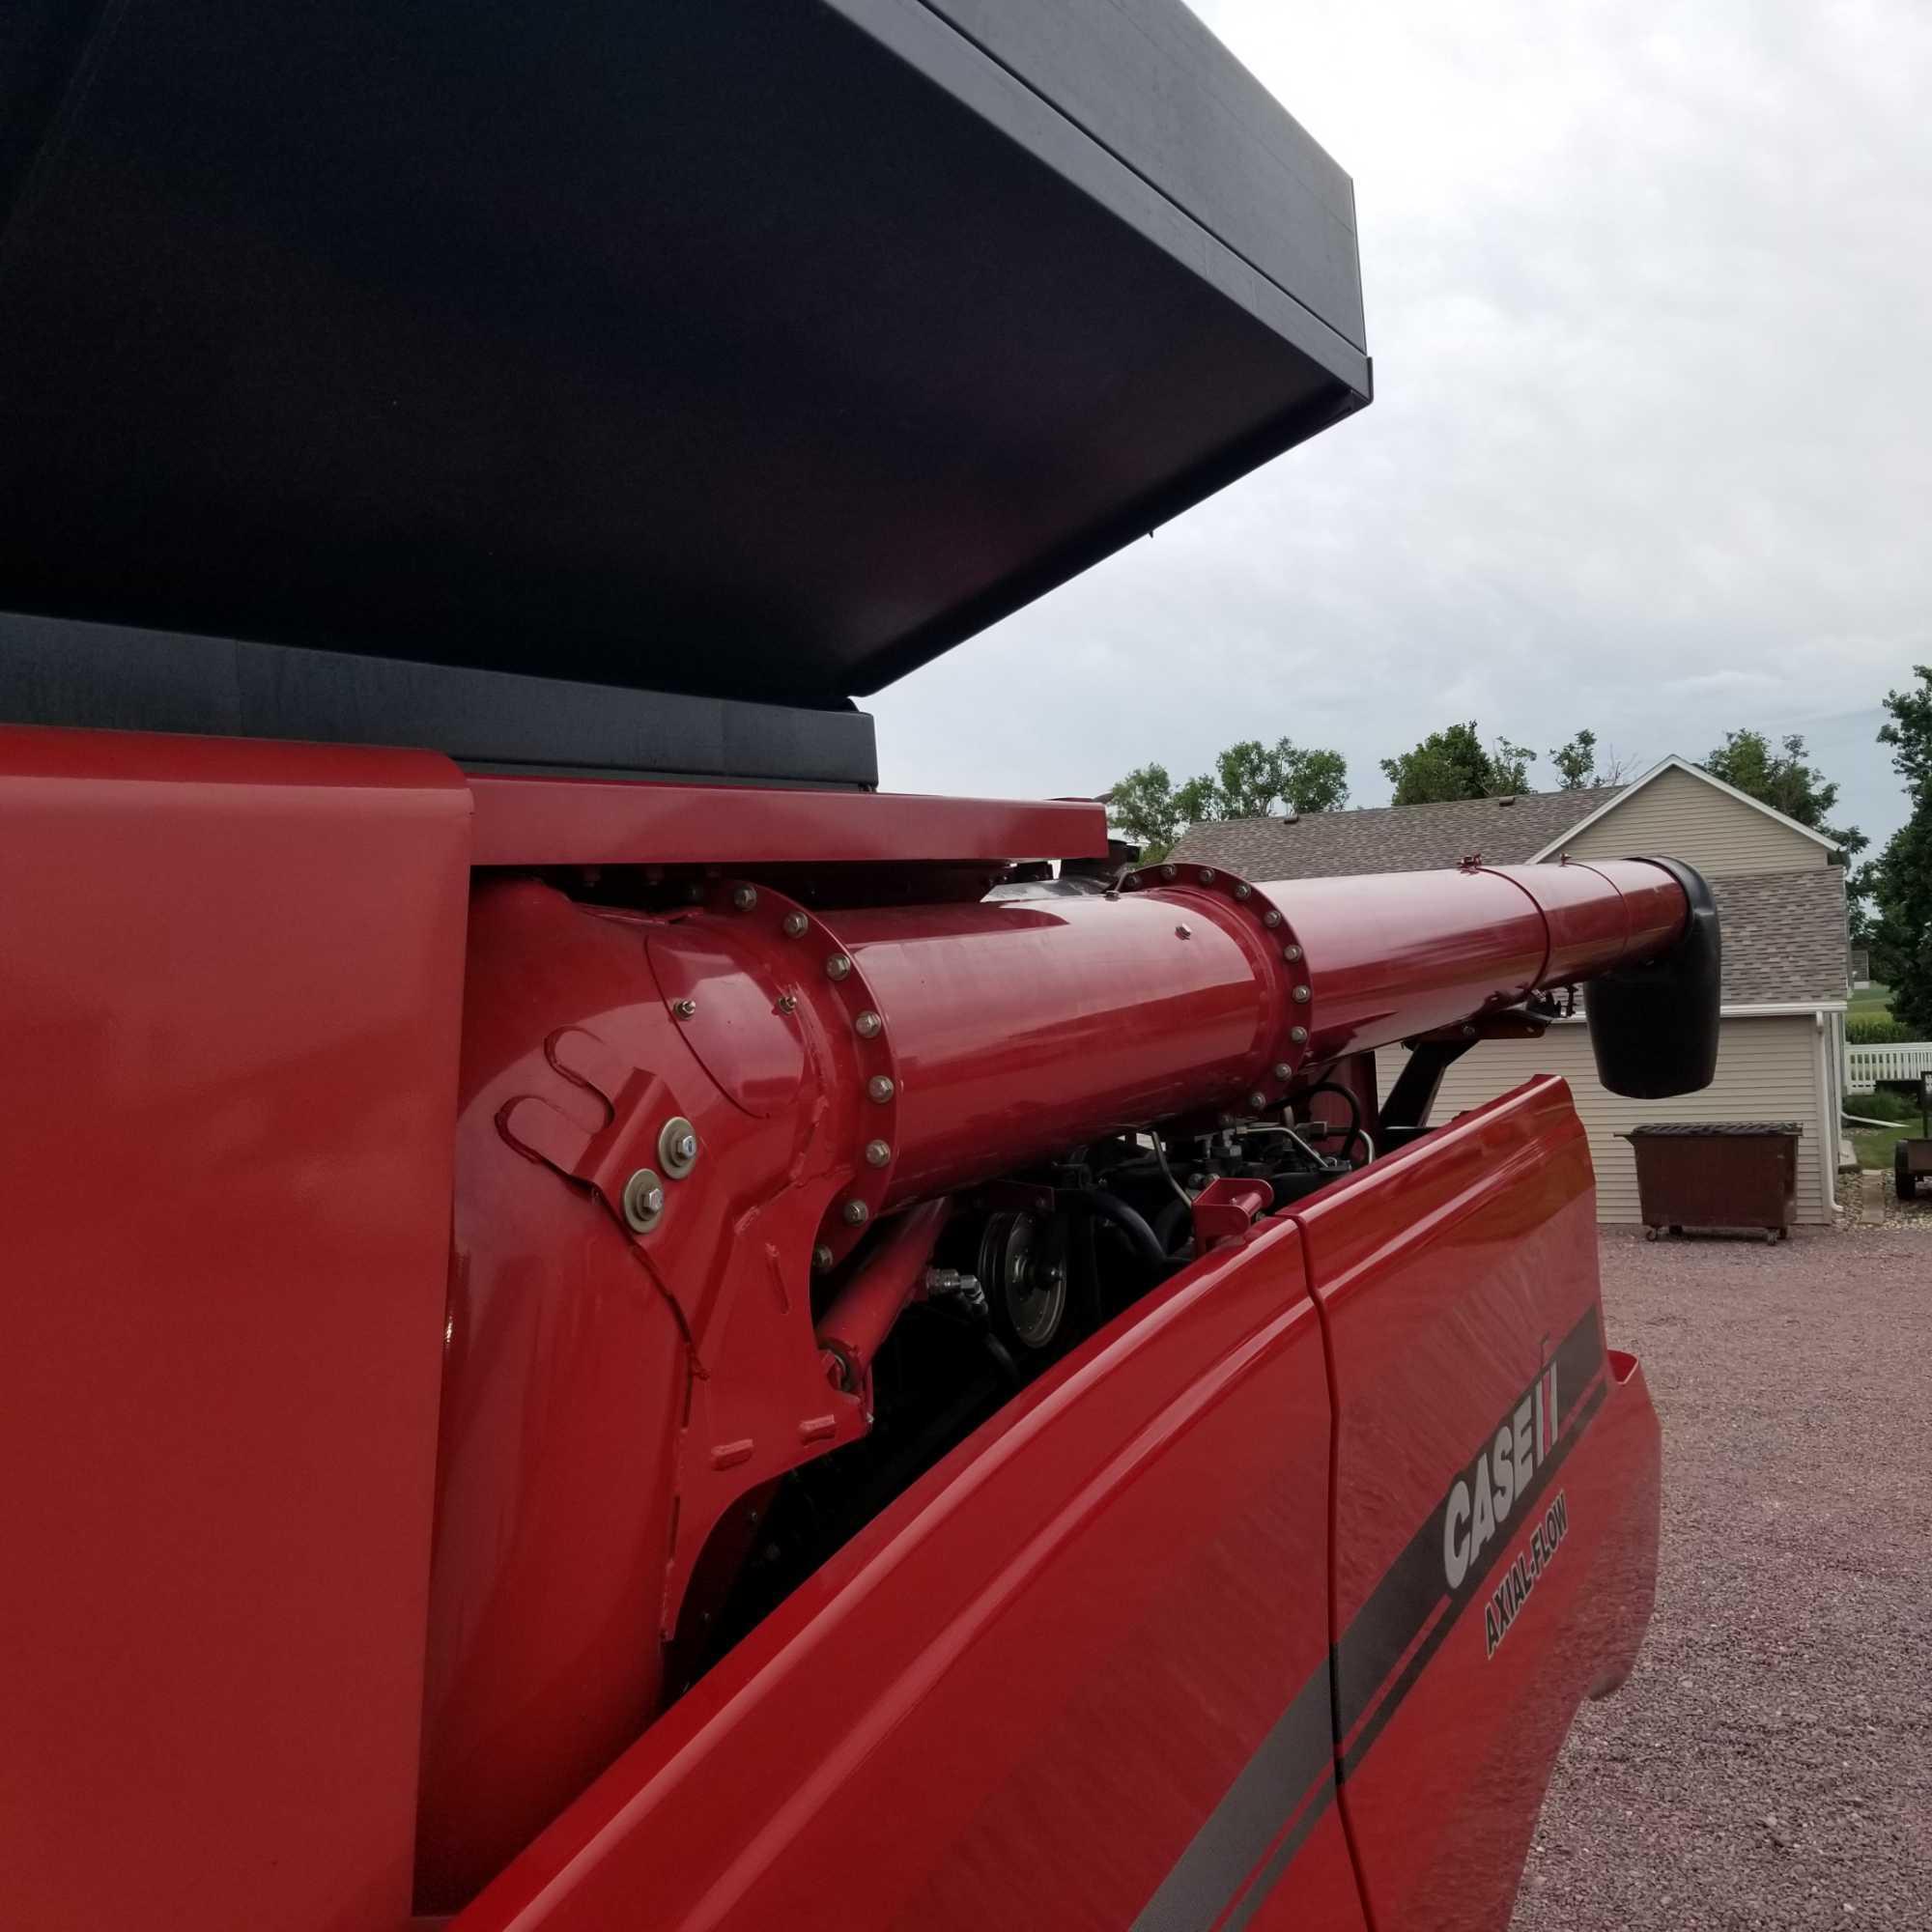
<point>787,1002</point>
<point>643,1200</point>
<point>1290,952</point>
<point>1258,1099</point>
<point>1282,1069</point>
<point>795,924</point>
<point>1206,875</point>
<point>1183,932</point>
<point>1167,871</point>
<point>854,1213</point>
<point>878,1153</point>
<point>1270,919</point>
<point>1298,1035</point>
<point>1244,890</point>
<point>821,1258</point>
<point>1300,996</point>
<point>677,1146</point>
<point>744,897</point>
<point>837,966</point>
<point>684,1009</point>
<point>867,1026</point>
<point>880,1087</point>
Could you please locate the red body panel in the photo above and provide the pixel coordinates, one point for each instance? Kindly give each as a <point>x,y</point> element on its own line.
<point>1079,1674</point>
<point>1016,1696</point>
<point>541,822</point>
<point>1452,1278</point>
<point>232,979</point>
<point>1095,1622</point>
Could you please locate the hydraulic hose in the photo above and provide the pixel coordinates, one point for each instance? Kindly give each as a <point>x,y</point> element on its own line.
<point>1128,1219</point>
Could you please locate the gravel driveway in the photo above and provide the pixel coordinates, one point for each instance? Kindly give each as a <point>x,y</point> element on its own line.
<point>1770,1762</point>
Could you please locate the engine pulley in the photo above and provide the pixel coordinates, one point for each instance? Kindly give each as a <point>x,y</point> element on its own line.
<point>1025,1279</point>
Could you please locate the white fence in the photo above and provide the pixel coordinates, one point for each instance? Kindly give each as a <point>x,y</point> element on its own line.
<point>1897,1060</point>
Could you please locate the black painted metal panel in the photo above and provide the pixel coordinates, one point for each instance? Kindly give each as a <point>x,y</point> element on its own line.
<point>751,349</point>
<point>57,671</point>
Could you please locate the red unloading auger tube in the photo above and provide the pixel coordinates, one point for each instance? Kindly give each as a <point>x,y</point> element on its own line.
<point>677,1128</point>
<point>1021,1028</point>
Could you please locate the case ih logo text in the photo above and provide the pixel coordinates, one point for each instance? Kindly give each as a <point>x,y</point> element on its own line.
<point>1522,1576</point>
<point>1480,1504</point>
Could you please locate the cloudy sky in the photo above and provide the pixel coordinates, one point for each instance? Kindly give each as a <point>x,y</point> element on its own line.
<point>1649,294</point>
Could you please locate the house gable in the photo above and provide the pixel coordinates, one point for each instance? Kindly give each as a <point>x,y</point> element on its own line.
<point>1679,810</point>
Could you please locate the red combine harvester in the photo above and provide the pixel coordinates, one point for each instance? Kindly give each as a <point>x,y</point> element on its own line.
<point>605,1326</point>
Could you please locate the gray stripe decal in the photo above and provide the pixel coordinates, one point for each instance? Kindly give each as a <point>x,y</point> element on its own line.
<point>1284,1856</point>
<point>1296,1759</point>
<point>1238,1832</point>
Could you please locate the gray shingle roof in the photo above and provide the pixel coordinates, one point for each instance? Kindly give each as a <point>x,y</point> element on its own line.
<point>1783,935</point>
<point>1391,838</point>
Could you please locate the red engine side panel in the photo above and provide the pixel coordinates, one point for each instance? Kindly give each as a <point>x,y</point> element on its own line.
<point>232,975</point>
<point>1076,1677</point>
<point>1495,1497</point>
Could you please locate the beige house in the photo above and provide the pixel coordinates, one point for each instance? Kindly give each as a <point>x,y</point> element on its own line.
<point>1781,901</point>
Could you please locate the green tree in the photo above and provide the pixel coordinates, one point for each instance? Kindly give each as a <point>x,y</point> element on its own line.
<point>1509,768</point>
<point>1142,805</point>
<point>1785,780</point>
<point>1452,763</point>
<point>1248,781</point>
<point>1899,880</point>
<point>1577,762</point>
<point>1250,777</point>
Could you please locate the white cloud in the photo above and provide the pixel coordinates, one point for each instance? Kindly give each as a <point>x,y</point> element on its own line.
<point>1652,447</point>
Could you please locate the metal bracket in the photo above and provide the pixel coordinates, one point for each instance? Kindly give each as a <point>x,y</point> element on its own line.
<point>603,1157</point>
<point>1226,1207</point>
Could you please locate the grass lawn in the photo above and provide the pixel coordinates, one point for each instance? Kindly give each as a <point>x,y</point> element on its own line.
<point>1873,1145</point>
<point>1870,1002</point>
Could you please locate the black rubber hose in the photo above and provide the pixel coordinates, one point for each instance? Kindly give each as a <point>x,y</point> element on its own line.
<point>1354,1132</point>
<point>1168,1223</point>
<point>1129,1220</point>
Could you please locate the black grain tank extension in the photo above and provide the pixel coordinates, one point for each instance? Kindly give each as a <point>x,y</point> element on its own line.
<point>759,348</point>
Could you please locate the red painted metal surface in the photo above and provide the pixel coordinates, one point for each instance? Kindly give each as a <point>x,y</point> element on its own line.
<point>1015,1697</point>
<point>1453,1278</point>
<point>1224,1209</point>
<point>232,983</point>
<point>835,1066</point>
<point>1403,952</point>
<point>611,1393</point>
<point>551,821</point>
<point>873,1300</point>
<point>1022,1027</point>
<point>1079,1674</point>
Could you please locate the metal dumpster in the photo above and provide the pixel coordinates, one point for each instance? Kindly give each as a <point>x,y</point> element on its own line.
<point>1717,1174</point>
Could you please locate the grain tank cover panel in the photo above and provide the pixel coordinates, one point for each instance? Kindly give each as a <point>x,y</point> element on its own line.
<point>740,350</point>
